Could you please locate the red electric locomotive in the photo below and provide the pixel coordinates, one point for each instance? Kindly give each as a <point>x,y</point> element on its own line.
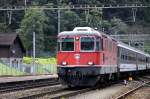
<point>86,56</point>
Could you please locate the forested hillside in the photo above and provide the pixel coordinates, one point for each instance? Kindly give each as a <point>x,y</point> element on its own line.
<point>45,22</point>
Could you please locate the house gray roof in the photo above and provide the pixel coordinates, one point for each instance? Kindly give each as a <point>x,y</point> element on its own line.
<point>7,38</point>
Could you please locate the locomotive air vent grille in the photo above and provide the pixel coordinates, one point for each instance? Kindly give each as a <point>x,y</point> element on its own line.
<point>83,29</point>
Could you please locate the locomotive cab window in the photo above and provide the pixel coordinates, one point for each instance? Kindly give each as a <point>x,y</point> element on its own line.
<point>87,43</point>
<point>67,44</point>
<point>98,44</point>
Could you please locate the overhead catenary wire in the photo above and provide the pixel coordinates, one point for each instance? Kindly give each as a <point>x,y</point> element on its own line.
<point>104,6</point>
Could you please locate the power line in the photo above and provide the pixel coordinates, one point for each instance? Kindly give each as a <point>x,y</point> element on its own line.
<point>132,37</point>
<point>104,6</point>
<point>135,40</point>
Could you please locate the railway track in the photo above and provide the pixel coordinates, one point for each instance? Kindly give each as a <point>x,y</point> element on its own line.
<point>57,94</point>
<point>23,85</point>
<point>146,81</point>
<point>34,93</point>
<point>63,92</point>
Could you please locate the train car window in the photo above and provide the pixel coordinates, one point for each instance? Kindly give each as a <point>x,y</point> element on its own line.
<point>122,57</point>
<point>98,44</point>
<point>106,44</point>
<point>115,48</point>
<point>126,57</point>
<point>146,60</point>
<point>67,44</point>
<point>102,44</point>
<point>87,43</point>
<point>110,46</point>
<point>113,45</point>
<point>139,59</point>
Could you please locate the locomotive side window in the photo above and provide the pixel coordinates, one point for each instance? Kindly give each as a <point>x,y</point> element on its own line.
<point>110,46</point>
<point>67,44</point>
<point>87,43</point>
<point>102,44</point>
<point>107,45</point>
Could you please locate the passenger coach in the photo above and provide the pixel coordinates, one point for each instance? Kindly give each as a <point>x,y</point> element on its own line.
<point>132,60</point>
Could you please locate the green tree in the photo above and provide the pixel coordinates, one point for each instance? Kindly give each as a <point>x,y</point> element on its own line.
<point>146,15</point>
<point>95,19</point>
<point>33,21</point>
<point>118,26</point>
<point>69,20</point>
<point>106,25</point>
<point>50,29</point>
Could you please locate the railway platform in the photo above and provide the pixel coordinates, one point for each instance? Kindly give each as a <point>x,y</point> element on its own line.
<point>27,78</point>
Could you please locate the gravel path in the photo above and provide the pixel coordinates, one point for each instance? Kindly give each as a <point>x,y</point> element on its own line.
<point>143,93</point>
<point>105,93</point>
<point>110,92</point>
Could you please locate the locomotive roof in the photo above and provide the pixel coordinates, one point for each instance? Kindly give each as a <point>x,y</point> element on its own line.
<point>85,31</point>
<point>123,45</point>
<point>81,31</point>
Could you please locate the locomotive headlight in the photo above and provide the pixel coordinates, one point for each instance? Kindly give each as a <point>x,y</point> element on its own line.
<point>77,38</point>
<point>64,63</point>
<point>90,63</point>
<point>77,56</point>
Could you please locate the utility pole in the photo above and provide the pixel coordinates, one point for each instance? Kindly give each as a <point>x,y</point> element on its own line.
<point>33,48</point>
<point>87,16</point>
<point>134,11</point>
<point>58,20</point>
<point>58,15</point>
<point>25,4</point>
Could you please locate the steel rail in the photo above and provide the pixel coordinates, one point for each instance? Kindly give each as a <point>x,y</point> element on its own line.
<point>16,86</point>
<point>131,91</point>
<point>65,92</point>
<point>72,93</point>
<point>54,94</point>
<point>42,94</point>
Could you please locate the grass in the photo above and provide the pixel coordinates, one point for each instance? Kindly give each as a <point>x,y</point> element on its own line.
<point>6,70</point>
<point>28,60</point>
<point>46,69</point>
<point>43,65</point>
